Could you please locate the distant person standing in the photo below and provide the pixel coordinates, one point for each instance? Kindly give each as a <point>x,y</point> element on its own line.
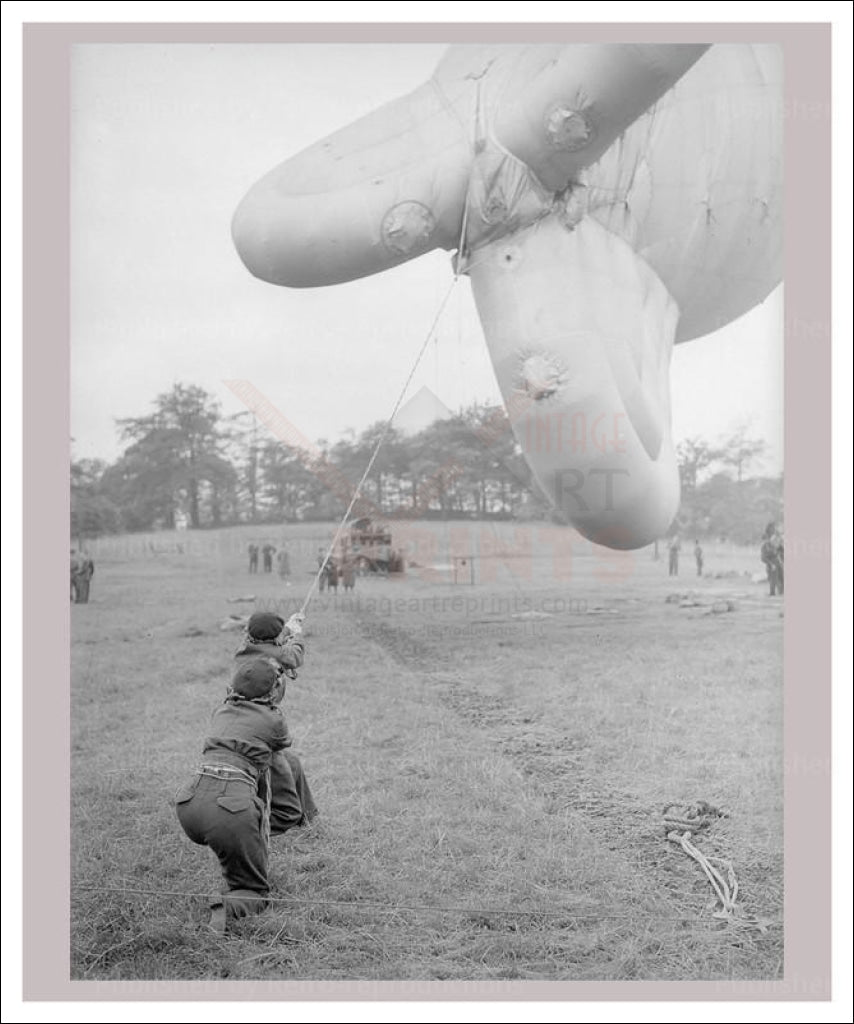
<point>673,555</point>
<point>253,558</point>
<point>284,562</point>
<point>771,553</point>
<point>348,575</point>
<point>76,563</point>
<point>698,557</point>
<point>778,539</point>
<point>82,571</point>
<point>268,551</point>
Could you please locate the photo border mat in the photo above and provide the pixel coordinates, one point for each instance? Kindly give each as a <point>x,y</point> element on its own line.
<point>807,646</point>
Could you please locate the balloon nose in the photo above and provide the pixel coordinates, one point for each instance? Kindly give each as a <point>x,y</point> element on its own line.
<point>385,189</point>
<point>250,234</point>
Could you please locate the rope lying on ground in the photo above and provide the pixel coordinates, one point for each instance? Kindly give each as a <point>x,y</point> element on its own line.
<point>394,908</point>
<point>680,827</point>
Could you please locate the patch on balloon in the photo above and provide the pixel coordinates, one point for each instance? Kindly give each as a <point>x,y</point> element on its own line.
<point>407,227</point>
<point>541,375</point>
<point>567,129</point>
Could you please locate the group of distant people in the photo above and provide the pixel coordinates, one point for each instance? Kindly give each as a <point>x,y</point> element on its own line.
<point>674,546</point>
<point>771,553</point>
<point>267,551</point>
<point>334,572</point>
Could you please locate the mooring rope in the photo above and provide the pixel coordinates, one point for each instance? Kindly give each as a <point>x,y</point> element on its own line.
<point>458,269</point>
<point>376,451</point>
<point>394,908</point>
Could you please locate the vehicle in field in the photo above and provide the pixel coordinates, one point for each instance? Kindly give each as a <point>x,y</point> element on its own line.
<point>367,545</point>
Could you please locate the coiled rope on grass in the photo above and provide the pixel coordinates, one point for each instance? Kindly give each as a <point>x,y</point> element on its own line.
<point>681,825</point>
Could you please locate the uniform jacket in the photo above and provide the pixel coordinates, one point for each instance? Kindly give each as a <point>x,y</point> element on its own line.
<point>243,730</point>
<point>82,568</point>
<point>289,653</point>
<point>771,551</point>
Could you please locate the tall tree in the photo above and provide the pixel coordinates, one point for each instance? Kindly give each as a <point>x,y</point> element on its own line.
<point>694,455</point>
<point>93,512</point>
<point>495,466</point>
<point>288,486</point>
<point>244,452</point>
<point>388,468</point>
<point>741,451</point>
<point>174,451</point>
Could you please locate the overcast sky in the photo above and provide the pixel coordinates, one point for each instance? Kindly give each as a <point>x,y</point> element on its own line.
<point>166,139</point>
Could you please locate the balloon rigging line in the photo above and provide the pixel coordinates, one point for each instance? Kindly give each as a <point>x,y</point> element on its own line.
<point>377,446</point>
<point>380,441</point>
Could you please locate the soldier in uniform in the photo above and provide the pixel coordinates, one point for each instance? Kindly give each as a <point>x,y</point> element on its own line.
<point>673,553</point>
<point>75,569</point>
<point>698,557</point>
<point>82,571</point>
<point>771,553</point>
<point>284,562</point>
<point>780,547</point>
<point>269,637</point>
<point>225,805</point>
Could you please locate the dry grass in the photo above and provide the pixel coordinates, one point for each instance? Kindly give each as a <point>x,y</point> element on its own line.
<point>490,786</point>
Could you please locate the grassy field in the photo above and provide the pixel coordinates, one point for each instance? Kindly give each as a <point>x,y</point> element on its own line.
<point>491,762</point>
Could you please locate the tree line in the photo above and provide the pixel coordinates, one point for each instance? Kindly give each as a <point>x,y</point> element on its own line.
<point>720,497</point>
<point>186,464</point>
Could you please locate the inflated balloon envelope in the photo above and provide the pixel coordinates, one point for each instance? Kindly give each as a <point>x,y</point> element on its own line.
<point>606,201</point>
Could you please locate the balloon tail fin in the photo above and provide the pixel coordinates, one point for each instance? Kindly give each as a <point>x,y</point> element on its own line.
<point>580,331</point>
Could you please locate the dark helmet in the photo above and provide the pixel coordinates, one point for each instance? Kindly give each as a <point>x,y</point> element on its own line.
<point>255,679</point>
<point>265,626</point>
